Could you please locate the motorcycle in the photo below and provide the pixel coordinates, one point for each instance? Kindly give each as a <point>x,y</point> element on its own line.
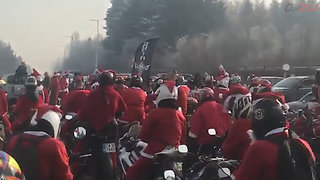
<point>168,163</point>
<point>130,148</point>
<point>94,153</point>
<point>208,163</point>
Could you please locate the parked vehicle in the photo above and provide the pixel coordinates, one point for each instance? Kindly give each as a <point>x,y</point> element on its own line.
<point>273,79</point>
<point>301,103</point>
<point>13,90</point>
<point>294,88</point>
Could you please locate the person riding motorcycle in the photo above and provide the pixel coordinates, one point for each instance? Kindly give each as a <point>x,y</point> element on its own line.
<point>100,110</point>
<point>276,152</point>
<point>9,168</point>
<point>135,98</point>
<point>38,151</point>
<point>237,142</point>
<point>27,101</point>
<point>103,104</point>
<point>75,99</point>
<point>120,85</point>
<point>209,115</point>
<point>163,127</point>
<point>237,91</point>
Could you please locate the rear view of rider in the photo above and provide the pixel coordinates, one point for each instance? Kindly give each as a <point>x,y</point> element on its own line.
<point>276,153</point>
<point>135,98</point>
<point>100,110</point>
<point>29,100</point>
<point>209,115</point>
<point>237,142</point>
<point>237,91</point>
<point>75,99</point>
<point>103,104</point>
<point>38,151</point>
<point>163,127</point>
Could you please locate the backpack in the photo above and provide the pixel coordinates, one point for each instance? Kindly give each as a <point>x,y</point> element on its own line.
<point>26,154</point>
<point>295,162</point>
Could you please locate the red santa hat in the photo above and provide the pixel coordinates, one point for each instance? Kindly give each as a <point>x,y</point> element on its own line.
<point>35,73</point>
<point>52,114</point>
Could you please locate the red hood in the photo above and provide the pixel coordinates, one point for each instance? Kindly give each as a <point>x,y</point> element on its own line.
<point>42,109</point>
<point>238,89</point>
<point>270,94</point>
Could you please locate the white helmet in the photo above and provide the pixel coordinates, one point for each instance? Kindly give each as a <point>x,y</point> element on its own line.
<point>164,93</point>
<point>50,116</point>
<point>31,81</point>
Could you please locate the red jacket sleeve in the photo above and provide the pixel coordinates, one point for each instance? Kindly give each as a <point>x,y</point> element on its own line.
<point>147,128</point>
<point>61,161</point>
<point>20,118</point>
<point>238,141</point>
<point>4,102</point>
<point>121,104</point>
<point>196,122</point>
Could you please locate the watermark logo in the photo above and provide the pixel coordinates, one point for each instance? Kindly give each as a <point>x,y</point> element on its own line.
<point>302,7</point>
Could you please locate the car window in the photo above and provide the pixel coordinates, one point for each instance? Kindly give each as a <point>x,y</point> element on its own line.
<point>288,82</point>
<point>308,83</point>
<point>307,98</point>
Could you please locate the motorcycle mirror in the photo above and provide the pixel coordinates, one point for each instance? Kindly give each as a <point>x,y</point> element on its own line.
<point>79,132</point>
<point>212,132</point>
<point>68,117</point>
<point>183,149</point>
<point>224,172</point>
<point>169,175</point>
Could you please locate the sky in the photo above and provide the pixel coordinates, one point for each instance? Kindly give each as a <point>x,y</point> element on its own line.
<point>38,30</point>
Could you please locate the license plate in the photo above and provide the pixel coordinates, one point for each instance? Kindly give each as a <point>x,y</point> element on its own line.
<point>109,147</point>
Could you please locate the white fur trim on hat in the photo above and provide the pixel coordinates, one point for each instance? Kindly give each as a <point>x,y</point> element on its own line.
<point>54,119</point>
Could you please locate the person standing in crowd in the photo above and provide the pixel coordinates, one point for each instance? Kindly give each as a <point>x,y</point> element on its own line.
<point>163,127</point>
<point>209,115</point>
<point>38,151</point>
<point>276,152</point>
<point>21,73</point>
<point>54,88</point>
<point>25,103</point>
<point>222,91</point>
<point>63,85</point>
<point>4,111</point>
<point>134,97</point>
<point>183,92</point>
<point>76,98</point>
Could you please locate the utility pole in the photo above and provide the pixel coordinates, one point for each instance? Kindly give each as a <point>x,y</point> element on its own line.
<point>97,47</point>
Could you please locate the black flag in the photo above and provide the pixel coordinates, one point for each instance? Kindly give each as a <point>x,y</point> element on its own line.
<point>143,58</point>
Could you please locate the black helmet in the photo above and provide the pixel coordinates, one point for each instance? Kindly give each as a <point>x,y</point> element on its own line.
<point>266,115</point>
<point>136,81</point>
<point>107,78</point>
